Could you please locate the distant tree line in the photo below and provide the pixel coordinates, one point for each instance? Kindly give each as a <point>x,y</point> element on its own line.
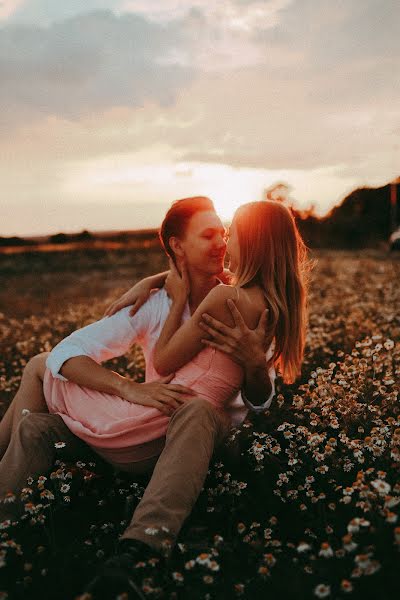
<point>365,218</point>
<point>58,238</point>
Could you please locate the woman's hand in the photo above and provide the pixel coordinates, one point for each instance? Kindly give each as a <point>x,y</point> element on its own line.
<point>137,296</point>
<point>160,394</point>
<point>177,284</point>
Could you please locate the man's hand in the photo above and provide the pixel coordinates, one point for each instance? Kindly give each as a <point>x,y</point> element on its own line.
<point>136,296</point>
<point>160,394</point>
<point>245,346</point>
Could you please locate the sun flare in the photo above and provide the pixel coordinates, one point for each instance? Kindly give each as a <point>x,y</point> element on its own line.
<point>227,187</point>
<point>226,207</point>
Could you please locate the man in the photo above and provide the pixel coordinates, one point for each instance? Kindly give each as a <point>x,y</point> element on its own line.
<point>195,429</point>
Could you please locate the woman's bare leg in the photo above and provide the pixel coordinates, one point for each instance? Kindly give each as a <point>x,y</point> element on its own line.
<point>29,396</point>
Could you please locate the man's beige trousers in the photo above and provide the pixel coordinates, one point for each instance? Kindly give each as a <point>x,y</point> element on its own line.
<point>194,431</point>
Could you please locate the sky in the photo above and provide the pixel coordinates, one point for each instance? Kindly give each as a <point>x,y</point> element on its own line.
<point>112,109</point>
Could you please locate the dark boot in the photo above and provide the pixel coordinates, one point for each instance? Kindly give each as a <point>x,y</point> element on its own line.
<point>125,572</point>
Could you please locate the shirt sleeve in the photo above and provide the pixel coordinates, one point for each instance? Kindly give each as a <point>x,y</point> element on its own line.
<point>102,340</point>
<point>258,408</point>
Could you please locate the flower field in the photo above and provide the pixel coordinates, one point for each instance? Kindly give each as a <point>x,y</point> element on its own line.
<point>301,502</point>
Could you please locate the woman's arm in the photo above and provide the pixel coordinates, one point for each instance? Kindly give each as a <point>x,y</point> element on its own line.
<point>177,345</point>
<point>137,295</point>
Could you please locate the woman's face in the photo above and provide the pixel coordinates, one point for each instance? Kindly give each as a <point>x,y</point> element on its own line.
<point>232,248</point>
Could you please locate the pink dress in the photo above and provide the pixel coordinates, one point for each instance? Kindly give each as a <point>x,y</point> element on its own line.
<point>122,432</point>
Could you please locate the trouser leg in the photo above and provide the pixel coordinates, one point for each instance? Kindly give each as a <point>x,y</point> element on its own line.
<point>194,431</point>
<point>32,452</point>
<point>29,396</point>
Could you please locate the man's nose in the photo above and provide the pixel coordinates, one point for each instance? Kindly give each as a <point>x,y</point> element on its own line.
<point>221,242</point>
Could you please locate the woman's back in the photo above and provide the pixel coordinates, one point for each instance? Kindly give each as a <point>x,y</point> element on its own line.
<point>250,301</point>
<point>213,375</point>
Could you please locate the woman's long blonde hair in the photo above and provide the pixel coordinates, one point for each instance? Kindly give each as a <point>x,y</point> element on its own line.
<point>272,255</point>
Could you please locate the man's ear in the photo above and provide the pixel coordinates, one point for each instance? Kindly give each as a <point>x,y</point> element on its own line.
<point>176,246</point>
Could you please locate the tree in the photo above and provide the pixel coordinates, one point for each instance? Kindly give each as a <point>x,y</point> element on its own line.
<point>279,192</point>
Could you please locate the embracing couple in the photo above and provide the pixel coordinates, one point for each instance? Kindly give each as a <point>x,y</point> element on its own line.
<point>214,337</point>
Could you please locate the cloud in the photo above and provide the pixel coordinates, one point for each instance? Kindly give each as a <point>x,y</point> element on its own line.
<point>321,90</point>
<point>336,33</point>
<point>310,87</point>
<point>8,8</point>
<point>274,122</point>
<point>242,119</point>
<point>232,14</point>
<point>46,12</point>
<point>88,63</point>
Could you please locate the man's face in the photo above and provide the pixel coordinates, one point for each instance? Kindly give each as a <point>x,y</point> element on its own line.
<point>204,243</point>
<point>233,247</point>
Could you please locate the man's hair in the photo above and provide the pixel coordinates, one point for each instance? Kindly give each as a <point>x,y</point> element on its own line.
<point>177,218</point>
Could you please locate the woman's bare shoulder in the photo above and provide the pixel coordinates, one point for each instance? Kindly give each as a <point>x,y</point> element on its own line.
<point>215,303</point>
<point>224,290</point>
<point>221,293</point>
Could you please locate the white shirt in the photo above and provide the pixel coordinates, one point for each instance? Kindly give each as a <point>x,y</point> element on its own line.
<point>113,336</point>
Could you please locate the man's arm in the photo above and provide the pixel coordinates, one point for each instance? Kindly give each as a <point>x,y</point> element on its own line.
<point>137,295</point>
<point>100,341</point>
<point>259,386</point>
<point>160,394</point>
<point>77,358</point>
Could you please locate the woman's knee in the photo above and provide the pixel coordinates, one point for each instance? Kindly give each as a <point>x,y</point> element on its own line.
<point>199,414</point>
<point>35,427</point>
<point>37,365</point>
<point>198,405</point>
<point>200,409</point>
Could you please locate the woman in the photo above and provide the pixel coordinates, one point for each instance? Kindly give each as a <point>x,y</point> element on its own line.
<point>266,259</point>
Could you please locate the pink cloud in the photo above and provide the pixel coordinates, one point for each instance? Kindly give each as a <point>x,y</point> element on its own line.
<point>8,7</point>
